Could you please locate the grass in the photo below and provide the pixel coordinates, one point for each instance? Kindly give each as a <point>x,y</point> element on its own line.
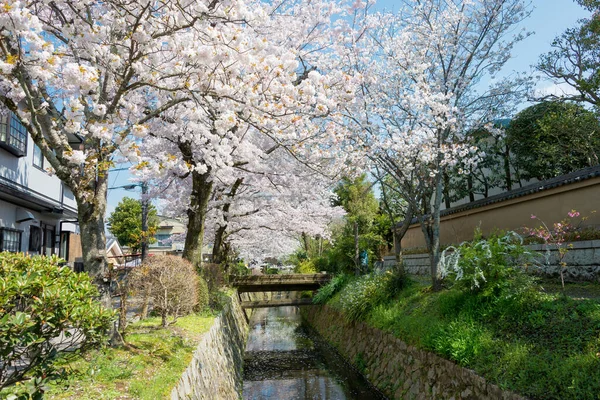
<point>147,368</point>
<point>542,345</point>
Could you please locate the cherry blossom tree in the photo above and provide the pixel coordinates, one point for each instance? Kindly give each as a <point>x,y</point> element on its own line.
<point>265,90</point>
<point>84,77</point>
<point>429,76</point>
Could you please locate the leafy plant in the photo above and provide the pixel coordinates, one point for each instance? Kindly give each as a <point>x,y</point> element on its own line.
<point>306,267</point>
<point>47,311</point>
<point>333,287</point>
<point>558,235</point>
<point>126,223</point>
<point>484,265</point>
<point>365,293</point>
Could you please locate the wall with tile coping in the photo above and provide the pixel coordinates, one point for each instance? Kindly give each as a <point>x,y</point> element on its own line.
<point>582,259</point>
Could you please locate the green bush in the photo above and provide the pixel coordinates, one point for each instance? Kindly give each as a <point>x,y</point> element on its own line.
<point>333,287</point>
<point>484,265</point>
<point>204,295</point>
<point>47,311</point>
<point>239,268</point>
<point>306,267</point>
<point>272,271</point>
<point>363,294</point>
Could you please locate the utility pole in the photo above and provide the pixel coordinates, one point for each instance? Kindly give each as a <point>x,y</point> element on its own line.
<point>144,221</point>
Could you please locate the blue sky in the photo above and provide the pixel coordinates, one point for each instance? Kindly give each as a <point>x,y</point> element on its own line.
<point>549,19</point>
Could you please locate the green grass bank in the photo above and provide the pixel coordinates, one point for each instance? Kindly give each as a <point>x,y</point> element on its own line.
<point>512,332</point>
<point>147,368</point>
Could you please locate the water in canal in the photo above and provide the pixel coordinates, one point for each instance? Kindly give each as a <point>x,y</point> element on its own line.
<point>284,360</point>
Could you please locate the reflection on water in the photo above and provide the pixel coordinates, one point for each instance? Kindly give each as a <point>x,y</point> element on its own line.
<point>283,362</point>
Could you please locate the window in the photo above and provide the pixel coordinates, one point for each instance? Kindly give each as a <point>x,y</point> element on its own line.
<point>38,158</point>
<point>10,240</point>
<point>35,238</point>
<point>161,238</point>
<point>13,135</point>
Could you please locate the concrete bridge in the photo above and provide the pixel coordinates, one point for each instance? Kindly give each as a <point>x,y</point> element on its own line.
<point>278,283</point>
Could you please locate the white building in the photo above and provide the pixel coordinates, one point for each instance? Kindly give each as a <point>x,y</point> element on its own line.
<point>170,236</point>
<point>38,213</point>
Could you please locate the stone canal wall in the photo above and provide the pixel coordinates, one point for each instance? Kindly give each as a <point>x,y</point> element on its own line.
<point>398,370</point>
<point>215,371</point>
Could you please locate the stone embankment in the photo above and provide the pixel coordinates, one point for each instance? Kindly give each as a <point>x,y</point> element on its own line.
<point>398,370</point>
<point>215,371</point>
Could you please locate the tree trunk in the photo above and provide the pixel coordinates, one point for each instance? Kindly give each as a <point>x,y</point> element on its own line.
<point>217,251</point>
<point>201,191</point>
<point>93,242</point>
<point>399,235</point>
<point>91,212</point>
<point>356,250</point>
<point>470,185</point>
<point>447,201</point>
<point>145,304</point>
<point>507,174</point>
<point>435,236</point>
<point>306,243</point>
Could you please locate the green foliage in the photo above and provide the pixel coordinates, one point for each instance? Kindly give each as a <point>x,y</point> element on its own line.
<point>553,138</point>
<point>306,267</point>
<point>239,268</point>
<point>542,346</point>
<point>204,295</point>
<point>357,198</point>
<point>39,301</point>
<point>147,369</point>
<point>462,340</point>
<point>272,271</point>
<point>484,265</point>
<point>361,295</point>
<point>575,59</point>
<point>125,223</point>
<point>333,287</point>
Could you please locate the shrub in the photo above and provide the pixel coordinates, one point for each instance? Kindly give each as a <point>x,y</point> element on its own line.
<point>239,268</point>
<point>271,271</point>
<point>204,295</point>
<point>213,275</point>
<point>46,311</point>
<point>333,287</point>
<point>362,295</point>
<point>173,284</point>
<point>306,267</point>
<point>483,265</point>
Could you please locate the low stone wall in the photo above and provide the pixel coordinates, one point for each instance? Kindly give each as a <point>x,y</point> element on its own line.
<point>583,261</point>
<point>398,370</point>
<point>215,371</point>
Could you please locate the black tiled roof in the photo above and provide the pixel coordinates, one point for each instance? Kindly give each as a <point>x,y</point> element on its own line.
<point>573,177</point>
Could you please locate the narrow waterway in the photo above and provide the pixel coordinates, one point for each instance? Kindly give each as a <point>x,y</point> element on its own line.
<point>284,360</point>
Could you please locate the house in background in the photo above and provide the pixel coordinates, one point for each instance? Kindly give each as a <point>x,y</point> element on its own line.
<point>170,237</point>
<point>38,213</point>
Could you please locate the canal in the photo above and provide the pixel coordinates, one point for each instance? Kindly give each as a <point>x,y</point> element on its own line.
<point>286,360</point>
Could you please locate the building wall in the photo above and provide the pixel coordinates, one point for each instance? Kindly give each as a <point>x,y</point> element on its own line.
<point>8,213</point>
<point>550,205</point>
<point>27,187</point>
<point>21,171</point>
